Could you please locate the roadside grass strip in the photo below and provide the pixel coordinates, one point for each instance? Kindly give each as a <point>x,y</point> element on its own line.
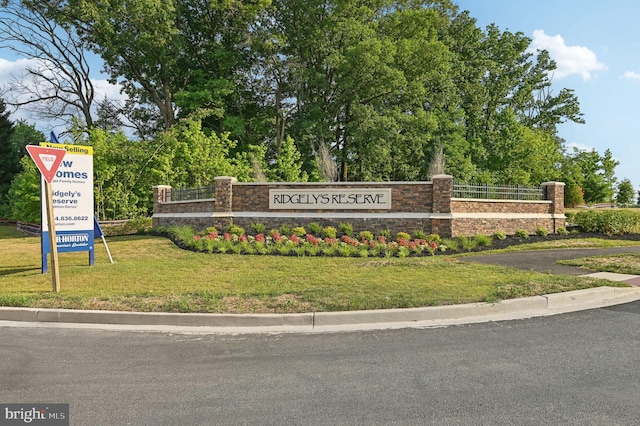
<point>618,263</point>
<point>151,274</point>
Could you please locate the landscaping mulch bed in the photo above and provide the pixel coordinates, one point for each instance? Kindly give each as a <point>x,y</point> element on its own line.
<point>514,241</point>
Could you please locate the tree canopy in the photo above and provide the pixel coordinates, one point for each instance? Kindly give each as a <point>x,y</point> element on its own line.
<point>308,89</point>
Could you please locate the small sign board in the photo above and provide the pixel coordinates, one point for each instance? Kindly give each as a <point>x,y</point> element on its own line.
<point>72,192</point>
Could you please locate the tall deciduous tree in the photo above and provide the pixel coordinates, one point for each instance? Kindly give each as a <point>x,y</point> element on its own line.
<point>56,84</point>
<point>139,43</point>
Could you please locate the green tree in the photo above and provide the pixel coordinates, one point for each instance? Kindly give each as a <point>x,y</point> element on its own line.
<point>9,157</point>
<point>288,167</point>
<point>24,194</point>
<point>593,172</point>
<point>174,54</point>
<point>573,195</point>
<point>625,193</point>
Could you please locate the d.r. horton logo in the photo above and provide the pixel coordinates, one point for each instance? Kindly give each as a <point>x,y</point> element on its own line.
<point>52,414</point>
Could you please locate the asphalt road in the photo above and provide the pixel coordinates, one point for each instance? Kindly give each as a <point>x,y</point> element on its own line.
<point>581,368</point>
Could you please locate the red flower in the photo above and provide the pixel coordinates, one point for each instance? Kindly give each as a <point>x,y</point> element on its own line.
<point>227,236</point>
<point>404,243</point>
<point>312,240</point>
<point>350,241</point>
<point>260,238</point>
<point>197,237</point>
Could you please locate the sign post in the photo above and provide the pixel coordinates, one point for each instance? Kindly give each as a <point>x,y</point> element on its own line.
<point>48,160</point>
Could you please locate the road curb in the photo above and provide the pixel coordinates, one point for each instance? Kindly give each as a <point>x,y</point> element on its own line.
<point>527,307</point>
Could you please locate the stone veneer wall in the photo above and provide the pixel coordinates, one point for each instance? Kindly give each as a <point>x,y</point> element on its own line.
<point>414,205</point>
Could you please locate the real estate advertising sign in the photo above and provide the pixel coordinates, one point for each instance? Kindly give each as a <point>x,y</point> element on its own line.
<point>72,190</point>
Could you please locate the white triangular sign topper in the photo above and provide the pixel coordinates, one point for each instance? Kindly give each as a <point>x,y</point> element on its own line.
<point>47,160</point>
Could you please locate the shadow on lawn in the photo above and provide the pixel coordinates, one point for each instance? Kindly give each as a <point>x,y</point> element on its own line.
<point>18,270</point>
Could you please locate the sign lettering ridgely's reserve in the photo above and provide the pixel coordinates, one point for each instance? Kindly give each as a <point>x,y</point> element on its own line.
<point>331,198</point>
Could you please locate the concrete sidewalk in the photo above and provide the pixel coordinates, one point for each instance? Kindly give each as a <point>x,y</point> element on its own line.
<point>437,316</point>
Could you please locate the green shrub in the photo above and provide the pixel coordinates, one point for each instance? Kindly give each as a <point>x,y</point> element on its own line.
<point>134,226</point>
<point>346,229</point>
<point>521,233</point>
<point>210,230</point>
<point>181,233</point>
<point>562,231</point>
<point>285,229</point>
<point>451,244</point>
<point>315,229</point>
<point>610,222</point>
<point>500,235</point>
<point>366,235</point>
<point>329,232</point>
<point>403,235</point>
<point>258,228</point>
<point>466,243</point>
<point>385,233</point>
<point>541,232</point>
<point>299,231</point>
<point>483,240</point>
<point>273,232</point>
<point>420,234</point>
<point>434,238</point>
<point>234,229</point>
<point>403,252</point>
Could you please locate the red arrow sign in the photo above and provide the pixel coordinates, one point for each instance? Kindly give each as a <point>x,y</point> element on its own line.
<point>47,160</point>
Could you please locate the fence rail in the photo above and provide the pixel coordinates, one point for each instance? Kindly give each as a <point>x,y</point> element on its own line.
<point>495,192</point>
<point>200,193</point>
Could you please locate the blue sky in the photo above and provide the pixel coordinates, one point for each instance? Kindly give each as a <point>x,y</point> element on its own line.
<point>596,46</point>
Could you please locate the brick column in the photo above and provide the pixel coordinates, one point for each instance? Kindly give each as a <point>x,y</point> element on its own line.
<point>442,223</point>
<point>161,194</point>
<point>224,200</point>
<point>554,192</point>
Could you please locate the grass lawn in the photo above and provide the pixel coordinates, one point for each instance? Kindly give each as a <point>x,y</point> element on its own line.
<point>152,274</point>
<point>619,263</point>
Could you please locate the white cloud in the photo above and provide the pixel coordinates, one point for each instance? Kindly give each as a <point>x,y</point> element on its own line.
<point>579,147</point>
<point>10,70</point>
<point>632,75</point>
<point>570,59</point>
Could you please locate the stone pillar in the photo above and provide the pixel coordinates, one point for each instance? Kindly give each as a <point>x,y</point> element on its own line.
<point>442,222</point>
<point>224,200</point>
<point>161,194</point>
<point>554,192</point>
